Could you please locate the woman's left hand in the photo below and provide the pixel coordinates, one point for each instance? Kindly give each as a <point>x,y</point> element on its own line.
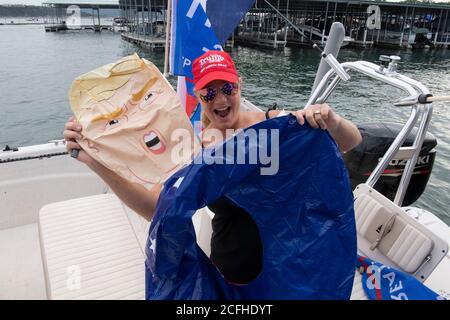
<point>319,116</point>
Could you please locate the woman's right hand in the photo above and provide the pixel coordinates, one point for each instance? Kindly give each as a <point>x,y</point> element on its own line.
<point>72,131</point>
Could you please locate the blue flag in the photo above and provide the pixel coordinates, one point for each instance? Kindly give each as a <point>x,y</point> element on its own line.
<point>381,282</point>
<point>301,200</point>
<point>192,35</point>
<point>226,15</point>
<point>199,26</point>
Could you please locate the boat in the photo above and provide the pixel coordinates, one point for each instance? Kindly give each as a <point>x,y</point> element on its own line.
<point>369,203</point>
<point>42,181</point>
<point>119,24</point>
<point>318,35</point>
<point>65,235</point>
<point>55,27</point>
<point>307,32</point>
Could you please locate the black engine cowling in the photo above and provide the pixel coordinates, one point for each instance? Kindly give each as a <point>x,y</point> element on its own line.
<point>377,138</point>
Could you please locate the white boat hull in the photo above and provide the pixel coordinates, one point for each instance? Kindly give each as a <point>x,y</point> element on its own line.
<point>27,185</point>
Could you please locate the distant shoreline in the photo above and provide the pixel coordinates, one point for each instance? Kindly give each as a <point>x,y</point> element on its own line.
<point>22,23</point>
<point>36,11</point>
<point>10,21</point>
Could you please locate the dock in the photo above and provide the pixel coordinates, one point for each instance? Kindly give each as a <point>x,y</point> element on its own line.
<point>144,41</point>
<point>275,24</point>
<point>146,22</point>
<point>63,27</point>
<point>278,23</point>
<point>65,15</point>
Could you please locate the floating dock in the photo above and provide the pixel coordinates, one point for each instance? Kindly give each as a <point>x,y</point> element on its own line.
<point>367,23</point>
<point>144,41</point>
<point>146,22</point>
<point>275,24</point>
<point>61,13</point>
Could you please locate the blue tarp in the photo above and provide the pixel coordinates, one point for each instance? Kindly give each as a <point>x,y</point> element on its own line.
<point>381,282</point>
<point>304,214</point>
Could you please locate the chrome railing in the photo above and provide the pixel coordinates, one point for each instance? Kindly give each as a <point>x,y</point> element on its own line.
<point>420,114</point>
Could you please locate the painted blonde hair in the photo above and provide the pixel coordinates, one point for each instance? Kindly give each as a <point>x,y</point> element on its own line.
<point>110,116</point>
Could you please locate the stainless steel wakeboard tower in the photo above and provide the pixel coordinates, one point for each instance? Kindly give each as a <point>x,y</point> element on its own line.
<point>418,98</point>
<point>386,232</point>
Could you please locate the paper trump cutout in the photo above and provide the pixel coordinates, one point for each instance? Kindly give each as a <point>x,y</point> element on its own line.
<point>129,113</point>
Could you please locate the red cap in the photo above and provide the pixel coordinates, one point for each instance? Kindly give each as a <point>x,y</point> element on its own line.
<point>213,65</point>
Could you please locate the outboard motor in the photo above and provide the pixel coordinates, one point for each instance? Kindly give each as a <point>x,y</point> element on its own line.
<point>377,138</point>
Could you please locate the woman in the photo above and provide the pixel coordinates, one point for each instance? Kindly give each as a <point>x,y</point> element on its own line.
<point>235,245</point>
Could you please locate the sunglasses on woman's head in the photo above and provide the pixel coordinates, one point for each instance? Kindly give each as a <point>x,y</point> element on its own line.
<point>208,94</point>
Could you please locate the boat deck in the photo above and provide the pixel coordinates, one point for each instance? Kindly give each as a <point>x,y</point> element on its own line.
<point>22,277</point>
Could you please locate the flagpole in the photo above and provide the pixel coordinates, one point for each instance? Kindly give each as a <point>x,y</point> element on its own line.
<point>168,27</point>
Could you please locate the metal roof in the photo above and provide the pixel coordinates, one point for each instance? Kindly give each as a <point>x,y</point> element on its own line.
<point>106,4</point>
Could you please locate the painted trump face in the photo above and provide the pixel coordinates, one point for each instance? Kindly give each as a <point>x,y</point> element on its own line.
<point>129,129</point>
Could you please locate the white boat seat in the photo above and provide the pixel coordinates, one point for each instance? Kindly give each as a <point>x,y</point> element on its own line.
<point>102,242</point>
<point>386,233</point>
<point>93,247</point>
<point>90,250</point>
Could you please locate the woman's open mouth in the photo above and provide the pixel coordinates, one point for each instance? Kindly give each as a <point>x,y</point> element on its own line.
<point>223,112</point>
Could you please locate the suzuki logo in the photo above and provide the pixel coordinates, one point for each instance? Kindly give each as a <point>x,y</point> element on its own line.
<point>402,162</point>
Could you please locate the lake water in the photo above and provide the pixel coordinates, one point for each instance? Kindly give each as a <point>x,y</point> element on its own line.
<point>37,68</point>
